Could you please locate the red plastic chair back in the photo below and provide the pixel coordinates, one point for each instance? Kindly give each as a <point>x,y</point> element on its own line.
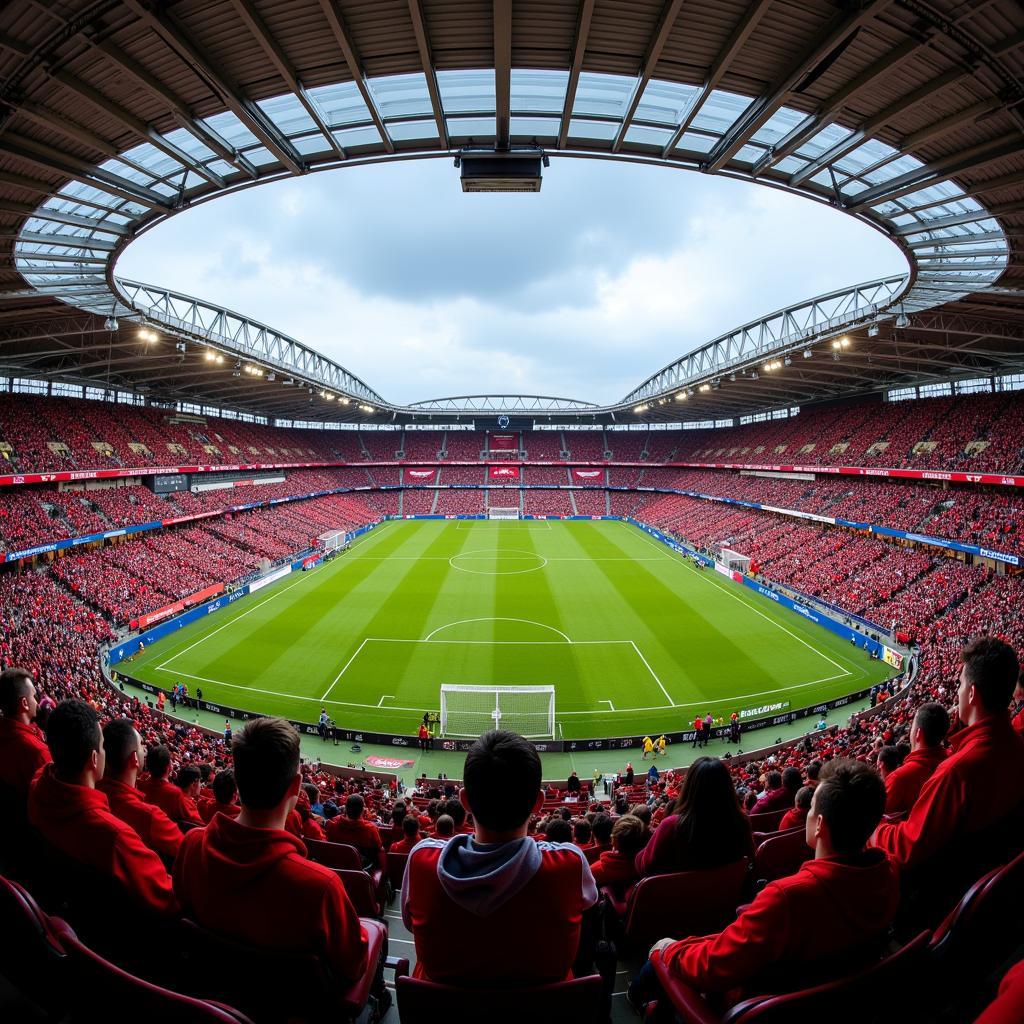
<point>396,868</point>
<point>581,999</point>
<point>767,822</point>
<point>334,855</point>
<point>781,855</point>
<point>360,889</point>
<point>684,903</point>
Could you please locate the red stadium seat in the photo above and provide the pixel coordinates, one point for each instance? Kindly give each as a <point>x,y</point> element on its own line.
<point>361,891</point>
<point>396,869</point>
<point>768,822</point>
<point>581,999</point>
<point>334,855</point>
<point>866,996</point>
<point>683,903</point>
<point>781,855</point>
<point>281,985</point>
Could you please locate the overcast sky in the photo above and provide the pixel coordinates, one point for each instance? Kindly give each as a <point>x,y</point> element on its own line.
<point>581,291</point>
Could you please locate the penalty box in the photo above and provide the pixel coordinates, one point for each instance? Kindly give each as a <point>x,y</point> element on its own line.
<point>588,676</point>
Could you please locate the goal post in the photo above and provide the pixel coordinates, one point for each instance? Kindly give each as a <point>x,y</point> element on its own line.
<point>494,512</point>
<point>469,711</point>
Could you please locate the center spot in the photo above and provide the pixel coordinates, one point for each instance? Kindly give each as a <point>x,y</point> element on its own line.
<point>491,562</point>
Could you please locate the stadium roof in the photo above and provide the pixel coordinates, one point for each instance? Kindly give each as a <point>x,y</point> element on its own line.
<point>118,113</point>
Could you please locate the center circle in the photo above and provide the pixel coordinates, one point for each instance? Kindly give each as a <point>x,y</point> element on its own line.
<point>514,558</point>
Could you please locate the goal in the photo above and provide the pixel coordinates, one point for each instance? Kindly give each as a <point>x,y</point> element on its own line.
<point>503,513</point>
<point>332,540</point>
<point>472,710</point>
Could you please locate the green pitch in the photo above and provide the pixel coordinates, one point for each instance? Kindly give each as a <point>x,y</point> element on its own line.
<point>634,639</point>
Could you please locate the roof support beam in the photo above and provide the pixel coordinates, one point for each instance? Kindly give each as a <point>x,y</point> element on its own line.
<point>759,112</point>
<point>669,13</point>
<point>176,106</point>
<point>582,34</point>
<point>502,73</point>
<point>419,28</point>
<point>941,170</point>
<point>59,217</point>
<point>735,43</point>
<point>276,54</point>
<point>171,32</point>
<point>814,123</point>
<point>334,18</point>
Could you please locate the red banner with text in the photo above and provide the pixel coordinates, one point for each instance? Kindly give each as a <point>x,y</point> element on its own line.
<point>178,606</point>
<point>503,472</point>
<point>420,474</point>
<point>588,476</point>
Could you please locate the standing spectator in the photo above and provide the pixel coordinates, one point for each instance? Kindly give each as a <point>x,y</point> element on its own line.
<point>248,878</point>
<point>572,784</point>
<point>72,815</point>
<point>927,734</point>
<point>647,744</point>
<point>23,751</point>
<point>227,733</point>
<point>707,828</point>
<point>698,731</point>
<point>497,907</point>
<point>628,777</point>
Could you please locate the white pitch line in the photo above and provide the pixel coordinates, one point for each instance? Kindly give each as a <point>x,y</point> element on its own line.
<point>746,604</point>
<point>386,696</point>
<point>528,643</point>
<point>608,702</point>
<point>653,674</point>
<point>498,618</point>
<point>342,672</point>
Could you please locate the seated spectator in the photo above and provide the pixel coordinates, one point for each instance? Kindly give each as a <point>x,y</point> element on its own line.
<point>773,797</point>
<point>927,734</point>
<point>410,834</point>
<point>582,833</point>
<point>602,832</point>
<point>445,827</point>
<point>307,825</point>
<point>171,799</point>
<point>706,829</point>
<point>454,809</point>
<point>248,878</point>
<point>889,760</point>
<point>617,866</point>
<point>558,830</point>
<point>224,793</point>
<point>124,758</point>
<point>836,904</point>
<point>74,817</point>
<point>23,751</point>
<point>797,814</point>
<point>352,828</point>
<point>497,907</point>
<point>982,781</point>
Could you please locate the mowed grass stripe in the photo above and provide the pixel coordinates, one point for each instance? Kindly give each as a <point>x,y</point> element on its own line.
<point>603,582</point>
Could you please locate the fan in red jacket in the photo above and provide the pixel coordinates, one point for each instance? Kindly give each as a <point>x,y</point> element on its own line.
<point>23,751</point>
<point>927,733</point>
<point>496,907</point>
<point>616,867</point>
<point>73,816</point>
<point>982,780</point>
<point>352,828</point>
<point>173,800</point>
<point>222,799</point>
<point>1008,1006</point>
<point>249,879</point>
<point>124,756</point>
<point>843,899</point>
<point>410,835</point>
<point>796,816</point>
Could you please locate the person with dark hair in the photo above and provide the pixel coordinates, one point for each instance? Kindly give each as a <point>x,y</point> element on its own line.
<point>352,828</point>
<point>842,900</point>
<point>454,809</point>
<point>602,832</point>
<point>249,879</point>
<point>189,781</point>
<point>981,783</point>
<point>888,761</point>
<point>707,827</point>
<point>927,734</point>
<point>71,814</point>
<point>796,816</point>
<point>582,834</point>
<point>558,830</point>
<point>125,756</point>
<point>617,866</point>
<point>445,827</point>
<point>776,795</point>
<point>224,799</point>
<point>410,835</point>
<point>171,799</point>
<point>23,751</point>
<point>497,907</point>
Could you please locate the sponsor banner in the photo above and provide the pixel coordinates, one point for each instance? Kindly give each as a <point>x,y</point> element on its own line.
<point>387,762</point>
<point>891,657</point>
<point>172,609</point>
<point>503,442</point>
<point>948,545</point>
<point>419,474</point>
<point>312,561</point>
<point>91,538</point>
<point>588,476</point>
<point>273,577</point>
<point>503,472</point>
<point>765,709</point>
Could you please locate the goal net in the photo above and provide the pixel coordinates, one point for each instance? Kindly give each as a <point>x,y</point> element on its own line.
<point>734,560</point>
<point>332,540</point>
<point>473,710</point>
<point>503,513</point>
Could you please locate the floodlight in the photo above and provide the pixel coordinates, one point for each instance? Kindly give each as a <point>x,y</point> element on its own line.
<point>873,331</point>
<point>111,324</point>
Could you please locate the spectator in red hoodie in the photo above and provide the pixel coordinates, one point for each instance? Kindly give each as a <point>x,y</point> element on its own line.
<point>981,783</point>
<point>124,757</point>
<point>249,879</point>
<point>224,797</point>
<point>841,900</point>
<point>410,835</point>
<point>497,907</point>
<point>23,750</point>
<point>72,815</point>
<point>352,828</point>
<point>616,867</point>
<point>171,799</point>
<point>796,816</point>
<point>927,734</point>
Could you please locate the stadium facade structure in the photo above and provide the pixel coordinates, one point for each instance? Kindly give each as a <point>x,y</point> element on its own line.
<point>907,115</point>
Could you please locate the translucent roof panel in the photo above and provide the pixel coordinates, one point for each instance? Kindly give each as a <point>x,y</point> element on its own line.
<point>719,112</point>
<point>310,144</point>
<point>538,92</point>
<point>582,129</point>
<point>188,143</point>
<point>648,136</point>
<point>153,159</point>
<point>693,143</point>
<point>535,127</point>
<point>868,153</point>
<point>603,95</point>
<point>403,131</point>
<point>229,128</point>
<point>401,95</point>
<point>342,104</point>
<point>466,92</point>
<point>475,127</point>
<point>780,124</point>
<point>820,142</point>
<point>666,102</point>
<point>130,174</point>
<point>288,114</point>
<point>367,136</point>
<point>749,154</point>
